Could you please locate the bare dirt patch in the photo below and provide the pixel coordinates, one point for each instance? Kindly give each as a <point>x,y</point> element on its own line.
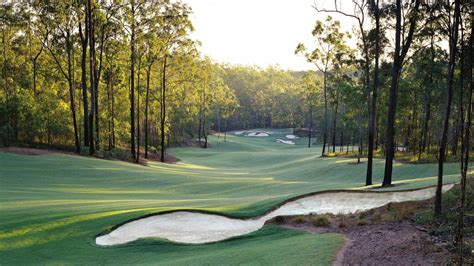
<point>381,236</point>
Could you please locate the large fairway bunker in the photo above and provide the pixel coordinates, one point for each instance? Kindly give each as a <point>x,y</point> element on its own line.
<point>197,227</point>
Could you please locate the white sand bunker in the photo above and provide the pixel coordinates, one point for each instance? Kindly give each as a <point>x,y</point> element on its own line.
<point>292,137</point>
<point>258,134</point>
<point>282,141</point>
<point>239,132</point>
<point>196,228</point>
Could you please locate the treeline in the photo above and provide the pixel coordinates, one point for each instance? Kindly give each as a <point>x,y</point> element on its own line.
<point>406,87</point>
<point>105,75</point>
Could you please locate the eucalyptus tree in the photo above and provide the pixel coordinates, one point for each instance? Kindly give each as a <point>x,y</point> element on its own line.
<point>401,49</point>
<point>83,32</point>
<point>311,87</point>
<point>152,52</point>
<point>359,14</point>
<point>466,143</point>
<point>328,41</point>
<point>175,26</point>
<point>453,38</point>
<point>132,19</point>
<point>59,20</point>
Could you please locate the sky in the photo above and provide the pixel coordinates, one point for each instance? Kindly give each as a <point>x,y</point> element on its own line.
<point>258,32</point>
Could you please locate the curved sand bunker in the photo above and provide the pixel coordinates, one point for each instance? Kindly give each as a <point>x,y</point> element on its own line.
<point>258,134</point>
<point>292,137</point>
<point>196,228</point>
<point>282,141</point>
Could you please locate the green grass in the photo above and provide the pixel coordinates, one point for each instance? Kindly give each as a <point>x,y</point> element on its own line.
<point>52,206</point>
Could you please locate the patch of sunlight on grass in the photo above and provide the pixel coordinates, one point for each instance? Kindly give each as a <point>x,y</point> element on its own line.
<point>107,191</point>
<point>30,241</point>
<point>194,166</point>
<point>31,229</point>
<point>405,181</point>
<point>175,171</point>
<point>110,203</point>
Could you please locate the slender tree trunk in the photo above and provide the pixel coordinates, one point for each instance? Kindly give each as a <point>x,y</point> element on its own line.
<point>444,136</point>
<point>148,73</point>
<point>341,148</point>
<point>84,42</point>
<point>163,110</point>
<point>310,124</point>
<point>373,107</point>
<point>97,75</point>
<point>113,116</point>
<point>200,124</point>
<point>71,90</point>
<point>91,77</point>
<point>109,108</point>
<point>392,104</point>
<point>465,151</point>
<point>325,111</point>
<point>225,130</point>
<point>132,86</point>
<point>359,149</point>
<point>399,55</point>
<point>138,108</point>
<point>460,118</point>
<point>35,67</point>
<point>334,125</point>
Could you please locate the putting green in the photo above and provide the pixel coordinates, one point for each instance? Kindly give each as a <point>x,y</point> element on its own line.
<point>52,206</point>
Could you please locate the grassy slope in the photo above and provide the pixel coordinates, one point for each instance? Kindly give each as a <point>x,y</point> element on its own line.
<point>52,206</point>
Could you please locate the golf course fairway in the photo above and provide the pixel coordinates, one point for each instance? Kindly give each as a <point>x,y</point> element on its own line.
<point>53,206</point>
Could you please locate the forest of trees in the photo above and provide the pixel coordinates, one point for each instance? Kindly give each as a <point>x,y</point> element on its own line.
<point>125,76</point>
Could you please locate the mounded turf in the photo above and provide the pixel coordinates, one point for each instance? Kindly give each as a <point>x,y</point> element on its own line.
<point>52,206</point>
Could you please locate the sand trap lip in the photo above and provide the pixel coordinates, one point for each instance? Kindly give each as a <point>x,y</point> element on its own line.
<point>292,137</point>
<point>193,227</point>
<point>282,141</point>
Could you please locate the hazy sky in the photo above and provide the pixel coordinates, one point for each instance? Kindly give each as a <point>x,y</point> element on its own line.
<point>257,32</point>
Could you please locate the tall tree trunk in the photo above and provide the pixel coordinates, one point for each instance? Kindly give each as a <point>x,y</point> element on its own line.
<point>132,85</point>
<point>138,108</point>
<point>325,111</point>
<point>148,73</point>
<point>97,75</point>
<point>91,77</point>
<point>373,107</point>
<point>334,124</point>
<point>310,124</point>
<point>109,108</point>
<point>460,118</point>
<point>113,116</point>
<point>465,151</point>
<point>71,91</point>
<point>444,136</point>
<point>84,41</point>
<point>399,55</point>
<point>163,111</point>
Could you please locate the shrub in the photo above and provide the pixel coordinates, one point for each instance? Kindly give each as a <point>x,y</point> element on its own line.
<point>321,220</point>
<point>403,211</point>
<point>280,219</point>
<point>299,219</point>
